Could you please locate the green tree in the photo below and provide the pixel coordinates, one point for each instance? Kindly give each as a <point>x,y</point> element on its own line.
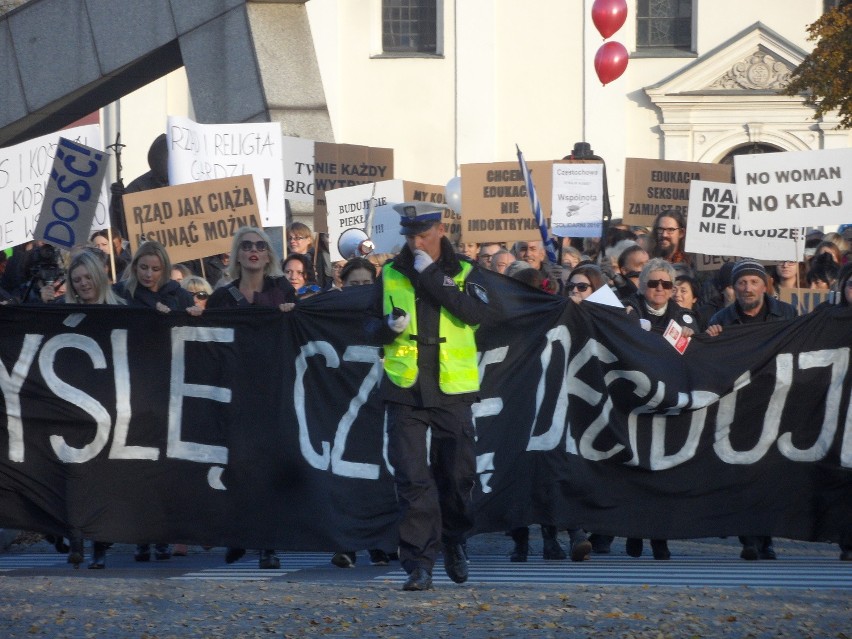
<point>825,76</point>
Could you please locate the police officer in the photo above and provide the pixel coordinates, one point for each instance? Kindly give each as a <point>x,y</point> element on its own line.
<point>432,301</point>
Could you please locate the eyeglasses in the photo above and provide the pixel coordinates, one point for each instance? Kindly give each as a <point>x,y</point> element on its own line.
<point>297,238</point>
<point>666,284</point>
<point>260,246</point>
<point>667,230</point>
<point>309,288</point>
<point>580,286</point>
<point>201,295</point>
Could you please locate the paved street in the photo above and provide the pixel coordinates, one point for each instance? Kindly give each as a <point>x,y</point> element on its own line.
<point>704,591</point>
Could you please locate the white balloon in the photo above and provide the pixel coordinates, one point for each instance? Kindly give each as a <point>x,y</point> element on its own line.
<point>453,193</point>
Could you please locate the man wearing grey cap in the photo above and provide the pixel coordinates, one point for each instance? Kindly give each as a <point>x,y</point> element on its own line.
<point>752,304</point>
<point>432,302</point>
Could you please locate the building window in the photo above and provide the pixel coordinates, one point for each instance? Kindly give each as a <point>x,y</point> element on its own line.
<point>664,24</point>
<point>410,26</point>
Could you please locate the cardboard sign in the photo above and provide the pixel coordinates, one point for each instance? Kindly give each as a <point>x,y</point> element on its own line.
<point>804,299</point>
<point>192,220</point>
<point>298,169</point>
<point>24,170</point>
<point>712,227</point>
<point>436,194</point>
<point>712,262</point>
<point>199,152</point>
<point>803,188</point>
<point>577,200</point>
<point>340,165</point>
<point>652,187</point>
<point>71,195</point>
<point>349,208</point>
<point>495,206</point>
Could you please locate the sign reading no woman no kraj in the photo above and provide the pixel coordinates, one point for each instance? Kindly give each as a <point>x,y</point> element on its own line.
<point>802,188</point>
<point>192,220</point>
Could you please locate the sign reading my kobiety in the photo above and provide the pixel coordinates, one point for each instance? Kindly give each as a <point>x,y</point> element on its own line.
<point>192,220</point>
<point>496,204</point>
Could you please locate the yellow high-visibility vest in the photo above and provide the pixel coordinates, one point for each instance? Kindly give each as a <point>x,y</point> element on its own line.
<point>457,368</point>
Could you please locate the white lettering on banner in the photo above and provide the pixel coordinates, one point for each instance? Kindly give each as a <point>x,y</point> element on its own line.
<point>827,364</point>
<point>119,448</point>
<point>339,466</point>
<point>11,384</point>
<point>838,360</point>
<point>72,395</point>
<point>176,447</point>
<point>487,407</point>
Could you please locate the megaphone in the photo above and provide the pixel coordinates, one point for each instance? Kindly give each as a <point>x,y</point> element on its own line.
<point>354,243</point>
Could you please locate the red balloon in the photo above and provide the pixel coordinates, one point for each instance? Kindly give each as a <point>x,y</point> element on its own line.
<point>610,61</point>
<point>609,15</point>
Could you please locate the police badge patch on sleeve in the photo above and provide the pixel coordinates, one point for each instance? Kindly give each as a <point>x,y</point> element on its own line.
<point>477,291</point>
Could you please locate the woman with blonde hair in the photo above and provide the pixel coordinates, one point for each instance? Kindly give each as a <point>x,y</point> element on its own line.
<point>149,284</point>
<point>87,281</point>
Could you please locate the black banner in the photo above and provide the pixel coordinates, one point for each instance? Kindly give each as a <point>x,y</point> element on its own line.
<point>258,429</point>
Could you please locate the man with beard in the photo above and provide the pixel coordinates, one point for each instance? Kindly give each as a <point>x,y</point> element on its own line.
<point>752,305</point>
<point>669,235</point>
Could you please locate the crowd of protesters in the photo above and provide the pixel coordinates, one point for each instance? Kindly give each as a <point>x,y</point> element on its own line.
<point>646,269</point>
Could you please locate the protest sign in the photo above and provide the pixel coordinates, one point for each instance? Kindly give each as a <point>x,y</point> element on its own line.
<point>435,194</point>
<point>298,169</point>
<point>71,194</point>
<point>24,170</point>
<point>712,227</point>
<point>340,165</point>
<point>712,262</point>
<point>348,210</point>
<point>804,299</point>
<point>802,188</point>
<point>192,220</point>
<point>495,205</point>
<point>199,152</point>
<point>577,199</point>
<point>652,187</point>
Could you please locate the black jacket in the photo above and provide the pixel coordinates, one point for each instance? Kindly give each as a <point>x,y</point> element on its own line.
<point>775,310</point>
<point>171,294</point>
<point>275,291</point>
<point>433,289</point>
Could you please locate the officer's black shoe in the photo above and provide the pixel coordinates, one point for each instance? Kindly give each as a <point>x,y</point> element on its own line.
<point>378,557</point>
<point>269,560</point>
<point>234,554</point>
<point>660,548</point>
<point>634,547</point>
<point>419,579</point>
<point>768,552</point>
<point>520,552</point>
<point>455,563</point>
<point>344,559</point>
<point>749,553</point>
<point>143,552</point>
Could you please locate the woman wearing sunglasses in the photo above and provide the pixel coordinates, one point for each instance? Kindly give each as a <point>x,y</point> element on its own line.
<point>256,280</point>
<point>200,289</point>
<point>584,280</point>
<point>653,301</point>
<point>256,277</point>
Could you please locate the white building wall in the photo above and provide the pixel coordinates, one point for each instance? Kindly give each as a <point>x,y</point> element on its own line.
<point>509,73</point>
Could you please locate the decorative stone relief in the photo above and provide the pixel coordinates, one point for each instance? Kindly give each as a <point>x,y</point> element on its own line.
<point>758,71</point>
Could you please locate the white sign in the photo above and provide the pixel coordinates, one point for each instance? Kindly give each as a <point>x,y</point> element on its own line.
<point>24,171</point>
<point>348,208</point>
<point>577,200</point>
<point>71,195</point>
<point>713,227</point>
<point>298,169</point>
<point>199,152</point>
<point>794,189</point>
